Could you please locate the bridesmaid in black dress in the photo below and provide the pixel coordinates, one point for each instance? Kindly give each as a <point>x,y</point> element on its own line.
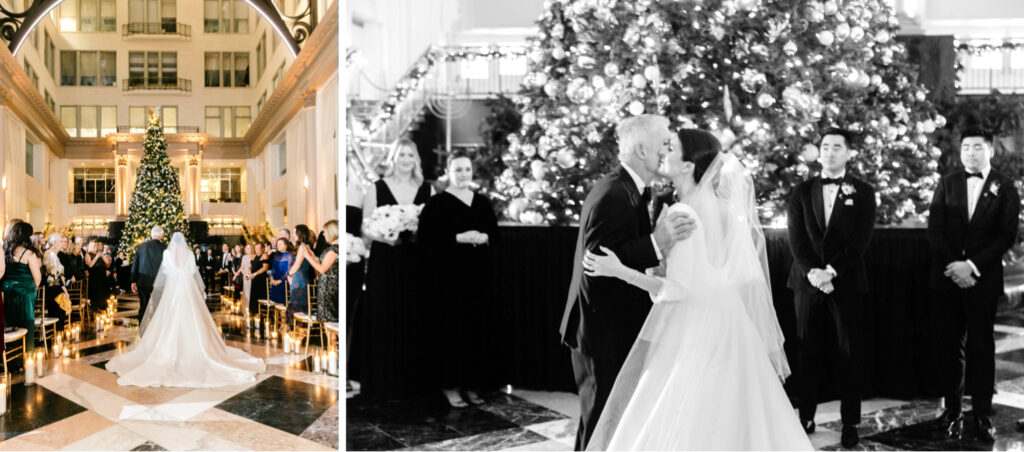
<point>258,268</point>
<point>97,264</point>
<point>457,228</point>
<point>388,351</point>
<point>354,271</point>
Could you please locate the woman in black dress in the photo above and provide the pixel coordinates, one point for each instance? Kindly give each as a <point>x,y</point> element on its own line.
<point>258,268</point>
<point>97,263</point>
<point>388,351</point>
<point>354,271</point>
<point>457,228</point>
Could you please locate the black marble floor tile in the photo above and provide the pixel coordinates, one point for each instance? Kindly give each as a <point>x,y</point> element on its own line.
<point>1001,335</point>
<point>287,405</point>
<point>929,435</point>
<point>503,439</point>
<point>517,410</point>
<point>1016,356</point>
<point>363,436</point>
<point>892,418</point>
<point>863,445</point>
<point>101,364</point>
<point>426,419</point>
<point>148,445</point>
<point>1015,386</point>
<point>1008,370</point>
<point>33,407</point>
<point>1011,318</point>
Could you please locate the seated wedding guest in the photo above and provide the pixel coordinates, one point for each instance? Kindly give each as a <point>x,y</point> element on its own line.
<point>972,222</point>
<point>66,260</point>
<point>456,228</point>
<point>243,273</point>
<point>22,276</point>
<point>389,330</point>
<point>98,263</point>
<point>57,301</point>
<point>259,267</point>
<point>282,262</point>
<point>300,273</point>
<point>326,266</point>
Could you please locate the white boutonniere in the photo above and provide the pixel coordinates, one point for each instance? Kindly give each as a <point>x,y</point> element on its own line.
<point>994,188</point>
<point>848,189</point>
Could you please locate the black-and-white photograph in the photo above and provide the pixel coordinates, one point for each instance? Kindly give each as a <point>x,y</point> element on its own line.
<point>683,224</point>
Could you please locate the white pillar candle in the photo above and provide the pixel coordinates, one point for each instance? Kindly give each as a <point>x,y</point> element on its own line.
<point>332,362</point>
<point>316,362</point>
<point>287,344</point>
<point>40,363</point>
<point>3,398</point>
<point>30,371</point>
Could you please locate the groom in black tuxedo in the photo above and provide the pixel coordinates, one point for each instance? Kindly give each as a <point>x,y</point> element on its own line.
<point>603,316</point>
<point>831,219</point>
<point>971,224</point>
<point>146,265</point>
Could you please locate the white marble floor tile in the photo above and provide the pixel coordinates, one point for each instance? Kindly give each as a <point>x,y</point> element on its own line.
<point>187,406</point>
<point>176,435</point>
<point>543,446</point>
<point>114,437</point>
<point>562,430</point>
<point>566,403</point>
<point>104,403</point>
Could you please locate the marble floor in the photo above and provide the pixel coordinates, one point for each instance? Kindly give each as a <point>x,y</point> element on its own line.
<point>78,405</point>
<point>517,419</point>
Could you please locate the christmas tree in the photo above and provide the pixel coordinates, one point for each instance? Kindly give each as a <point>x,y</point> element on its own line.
<point>157,197</point>
<point>767,76</point>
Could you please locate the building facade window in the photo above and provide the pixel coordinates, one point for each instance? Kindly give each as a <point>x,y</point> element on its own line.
<point>88,68</point>
<point>138,118</point>
<point>261,102</point>
<point>261,56</point>
<point>32,75</point>
<point>163,12</point>
<point>227,69</point>
<point>152,68</point>
<point>49,54</point>
<point>88,120</point>
<point>282,158</point>
<point>225,16</point>
<point>221,185</point>
<point>228,122</point>
<point>92,185</point>
<point>278,76</point>
<point>88,15</point>
<point>49,101</point>
<point>30,159</point>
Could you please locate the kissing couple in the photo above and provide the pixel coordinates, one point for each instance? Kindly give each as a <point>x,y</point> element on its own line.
<point>691,359</point>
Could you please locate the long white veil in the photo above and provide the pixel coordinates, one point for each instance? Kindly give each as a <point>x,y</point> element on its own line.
<point>725,201</point>
<point>178,267</point>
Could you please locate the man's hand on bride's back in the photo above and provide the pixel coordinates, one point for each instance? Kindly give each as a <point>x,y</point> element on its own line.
<point>673,227</point>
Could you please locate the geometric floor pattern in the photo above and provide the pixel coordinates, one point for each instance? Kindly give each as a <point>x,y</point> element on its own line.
<point>529,420</point>
<point>78,405</point>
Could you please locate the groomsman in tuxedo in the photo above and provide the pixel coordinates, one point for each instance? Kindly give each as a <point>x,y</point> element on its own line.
<point>831,219</point>
<point>972,223</point>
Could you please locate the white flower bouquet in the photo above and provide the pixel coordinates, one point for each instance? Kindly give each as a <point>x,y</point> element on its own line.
<point>388,222</point>
<point>355,250</point>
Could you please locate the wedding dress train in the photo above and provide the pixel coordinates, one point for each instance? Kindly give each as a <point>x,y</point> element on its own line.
<point>179,344</point>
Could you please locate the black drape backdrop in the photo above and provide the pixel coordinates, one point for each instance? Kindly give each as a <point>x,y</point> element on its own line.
<point>533,267</point>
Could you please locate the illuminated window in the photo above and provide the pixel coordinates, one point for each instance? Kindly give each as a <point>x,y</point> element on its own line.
<point>88,120</point>
<point>92,185</point>
<point>221,185</point>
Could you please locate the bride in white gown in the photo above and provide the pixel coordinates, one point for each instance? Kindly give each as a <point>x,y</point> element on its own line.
<point>179,344</point>
<point>706,371</point>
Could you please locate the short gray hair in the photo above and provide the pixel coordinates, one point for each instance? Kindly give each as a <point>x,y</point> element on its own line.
<point>633,129</point>
<point>156,232</point>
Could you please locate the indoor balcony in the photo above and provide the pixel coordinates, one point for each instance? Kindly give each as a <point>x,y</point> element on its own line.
<point>182,85</point>
<point>168,130</point>
<point>160,30</point>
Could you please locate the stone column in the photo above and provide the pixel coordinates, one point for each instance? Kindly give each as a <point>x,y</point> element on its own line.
<point>312,189</point>
<point>192,193</point>
<point>121,186</point>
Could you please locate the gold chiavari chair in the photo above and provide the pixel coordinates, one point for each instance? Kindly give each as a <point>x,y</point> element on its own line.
<point>15,346</point>
<point>303,323</point>
<point>78,304</point>
<point>46,327</point>
<point>264,305</point>
<point>280,308</point>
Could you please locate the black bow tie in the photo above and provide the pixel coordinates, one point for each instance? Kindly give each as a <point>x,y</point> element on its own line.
<point>831,181</point>
<point>978,175</point>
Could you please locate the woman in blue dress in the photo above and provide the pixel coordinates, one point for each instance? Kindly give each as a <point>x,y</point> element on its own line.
<point>281,261</point>
<point>300,272</point>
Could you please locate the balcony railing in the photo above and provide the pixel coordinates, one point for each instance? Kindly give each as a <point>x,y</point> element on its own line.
<point>157,83</point>
<point>983,81</point>
<point>167,129</point>
<point>156,28</point>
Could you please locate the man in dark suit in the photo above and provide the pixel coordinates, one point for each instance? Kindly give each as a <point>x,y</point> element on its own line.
<point>603,316</point>
<point>971,224</point>
<point>146,265</point>
<point>831,219</point>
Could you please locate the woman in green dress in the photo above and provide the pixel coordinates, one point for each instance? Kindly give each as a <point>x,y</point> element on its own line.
<point>20,280</point>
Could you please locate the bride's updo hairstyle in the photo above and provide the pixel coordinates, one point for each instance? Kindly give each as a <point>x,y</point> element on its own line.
<point>699,147</point>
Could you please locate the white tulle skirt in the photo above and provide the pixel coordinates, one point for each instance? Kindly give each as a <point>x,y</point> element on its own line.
<point>181,347</point>
<point>699,378</point>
